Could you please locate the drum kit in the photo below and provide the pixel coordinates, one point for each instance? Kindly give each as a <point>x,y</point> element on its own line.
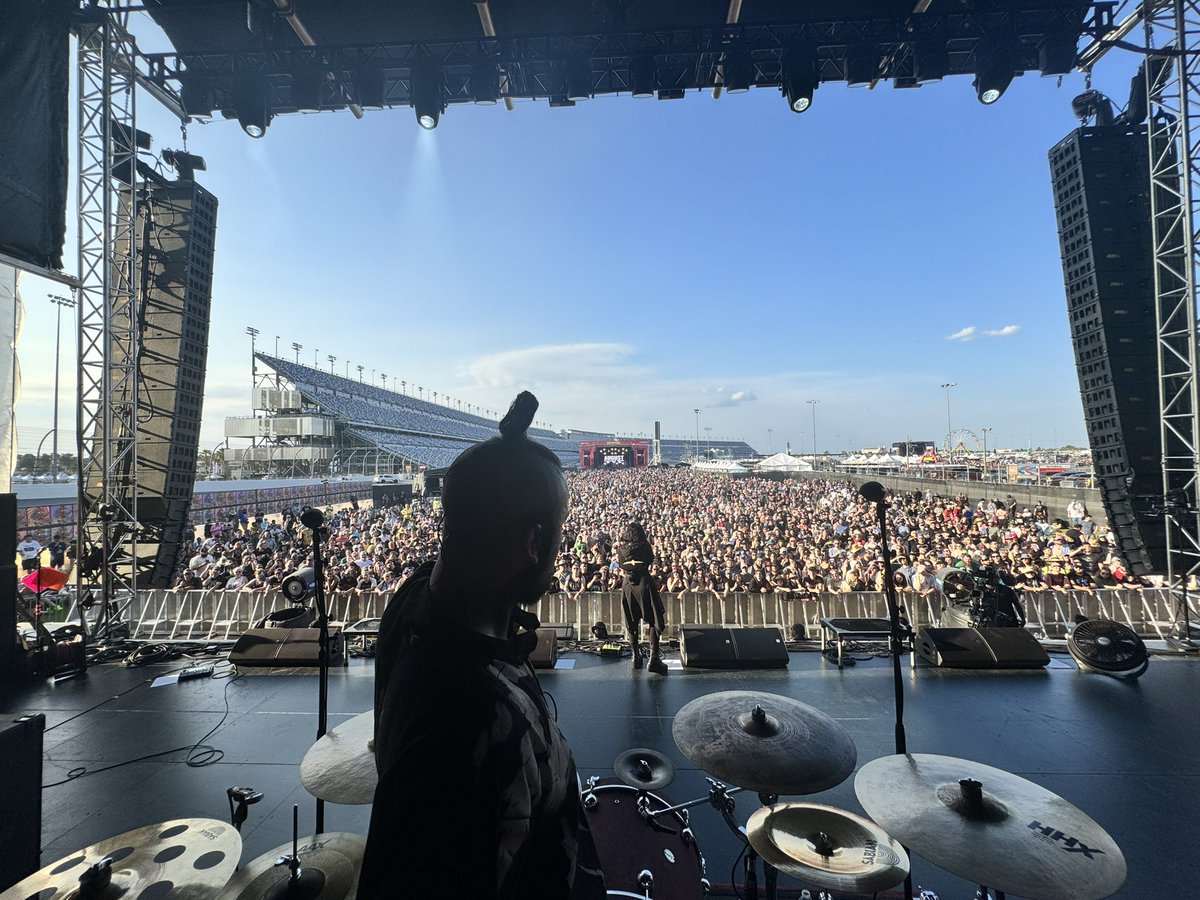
<point>984,824</point>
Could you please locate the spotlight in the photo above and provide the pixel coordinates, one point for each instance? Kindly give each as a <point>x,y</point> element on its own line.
<point>426,92</point>
<point>737,71</point>
<point>670,94</point>
<point>186,164</point>
<point>1057,54</point>
<point>931,62</point>
<point>308,89</point>
<point>369,86</point>
<point>641,76</point>
<point>251,99</point>
<point>1094,103</point>
<point>862,64</point>
<point>299,584</point>
<point>196,95</point>
<point>578,77</point>
<point>600,631</point>
<point>994,70</point>
<point>800,78</point>
<point>485,82</point>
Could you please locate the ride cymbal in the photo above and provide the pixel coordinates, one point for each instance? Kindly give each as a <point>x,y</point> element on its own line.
<point>329,867</point>
<point>765,742</point>
<point>991,827</point>
<point>827,847</point>
<point>184,858</point>
<point>645,769</point>
<point>340,766</point>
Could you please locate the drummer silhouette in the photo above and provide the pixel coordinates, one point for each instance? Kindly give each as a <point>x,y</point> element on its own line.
<point>478,794</point>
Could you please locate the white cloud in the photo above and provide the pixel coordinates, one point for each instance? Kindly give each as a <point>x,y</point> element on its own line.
<point>724,397</point>
<point>963,334</point>
<point>1006,331</point>
<point>553,364</point>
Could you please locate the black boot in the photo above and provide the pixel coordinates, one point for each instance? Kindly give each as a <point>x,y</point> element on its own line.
<point>638,659</point>
<point>657,666</point>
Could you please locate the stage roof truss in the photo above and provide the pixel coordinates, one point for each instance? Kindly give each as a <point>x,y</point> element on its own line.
<point>686,58</point>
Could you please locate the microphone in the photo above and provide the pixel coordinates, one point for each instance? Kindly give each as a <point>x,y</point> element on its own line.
<point>872,492</point>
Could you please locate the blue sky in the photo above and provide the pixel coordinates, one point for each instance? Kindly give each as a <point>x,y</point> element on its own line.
<point>633,260</point>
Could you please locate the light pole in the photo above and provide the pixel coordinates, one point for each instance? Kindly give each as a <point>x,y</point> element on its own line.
<point>813,406</point>
<point>383,378</point>
<point>332,359</point>
<point>347,368</point>
<point>360,371</point>
<point>277,346</point>
<point>696,455</point>
<point>59,302</point>
<point>316,358</point>
<point>707,440</point>
<point>949,430</point>
<point>985,431</point>
<point>297,348</point>
<point>769,433</point>
<point>404,388</point>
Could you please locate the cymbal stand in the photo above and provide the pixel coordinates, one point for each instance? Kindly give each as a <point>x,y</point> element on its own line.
<point>295,873</point>
<point>314,520</point>
<point>983,893</point>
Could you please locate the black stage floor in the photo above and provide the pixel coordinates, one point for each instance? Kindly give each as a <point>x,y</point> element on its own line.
<point>1125,753</point>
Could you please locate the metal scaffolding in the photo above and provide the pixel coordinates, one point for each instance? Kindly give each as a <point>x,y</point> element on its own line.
<point>106,543</point>
<point>1172,32</point>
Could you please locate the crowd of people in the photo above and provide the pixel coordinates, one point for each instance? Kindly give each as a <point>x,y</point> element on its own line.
<point>710,533</point>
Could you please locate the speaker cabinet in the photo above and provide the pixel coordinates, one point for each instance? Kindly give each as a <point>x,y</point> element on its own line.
<point>981,648</point>
<point>21,799</point>
<point>545,654</point>
<point>286,648</point>
<point>718,647</point>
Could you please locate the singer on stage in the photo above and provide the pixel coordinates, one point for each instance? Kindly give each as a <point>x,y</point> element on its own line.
<point>639,595</point>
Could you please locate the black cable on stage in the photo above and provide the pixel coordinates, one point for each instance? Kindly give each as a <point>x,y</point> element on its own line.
<point>733,872</point>
<point>199,754</point>
<point>117,697</point>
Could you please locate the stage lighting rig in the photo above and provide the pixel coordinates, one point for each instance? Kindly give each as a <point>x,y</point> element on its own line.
<point>994,69</point>
<point>862,64</point>
<point>369,87</point>
<point>308,89</point>
<point>186,164</point>
<point>641,76</point>
<point>800,79</point>
<point>737,72</point>
<point>485,82</point>
<point>252,103</point>
<point>931,62</point>
<point>427,91</point>
<point>577,75</point>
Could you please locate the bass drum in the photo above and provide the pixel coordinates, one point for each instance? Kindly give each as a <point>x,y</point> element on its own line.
<point>642,857</point>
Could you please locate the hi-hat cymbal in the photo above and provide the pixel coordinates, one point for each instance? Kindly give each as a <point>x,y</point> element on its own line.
<point>181,858</point>
<point>827,847</point>
<point>643,768</point>
<point>765,742</point>
<point>329,866</point>
<point>991,827</point>
<point>340,767</point>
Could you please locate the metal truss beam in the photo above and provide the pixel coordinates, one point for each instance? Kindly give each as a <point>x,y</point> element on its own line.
<point>108,256</point>
<point>685,58</point>
<point>1173,92</point>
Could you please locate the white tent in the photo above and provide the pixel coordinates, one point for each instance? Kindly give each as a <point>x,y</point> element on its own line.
<point>783,462</point>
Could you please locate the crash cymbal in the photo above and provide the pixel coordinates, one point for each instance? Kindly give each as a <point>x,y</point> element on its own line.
<point>765,742</point>
<point>643,768</point>
<point>186,858</point>
<point>340,767</point>
<point>991,827</point>
<point>329,865</point>
<point>827,847</point>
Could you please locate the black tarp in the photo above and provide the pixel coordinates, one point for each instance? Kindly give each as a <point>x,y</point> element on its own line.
<point>34,56</point>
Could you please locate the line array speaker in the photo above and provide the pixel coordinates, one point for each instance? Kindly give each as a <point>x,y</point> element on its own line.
<point>981,648</point>
<point>718,647</point>
<point>1101,180</point>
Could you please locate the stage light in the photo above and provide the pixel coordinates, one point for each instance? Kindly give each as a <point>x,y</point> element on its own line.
<point>862,64</point>
<point>600,631</point>
<point>186,164</point>
<point>196,95</point>
<point>426,92</point>
<point>931,62</point>
<point>994,70</point>
<point>1057,54</point>
<point>1094,103</point>
<point>800,78</point>
<point>251,99</point>
<point>670,94</point>
<point>308,89</point>
<point>297,586</point>
<point>641,76</point>
<point>578,78</point>
<point>737,71</point>
<point>485,82</point>
<point>369,87</point>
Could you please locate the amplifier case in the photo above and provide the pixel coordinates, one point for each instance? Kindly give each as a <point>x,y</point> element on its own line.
<point>718,647</point>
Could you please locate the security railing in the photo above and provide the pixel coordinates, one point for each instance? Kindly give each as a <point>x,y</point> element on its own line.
<point>218,615</point>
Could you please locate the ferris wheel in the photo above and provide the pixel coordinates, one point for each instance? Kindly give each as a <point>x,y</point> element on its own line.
<point>963,439</point>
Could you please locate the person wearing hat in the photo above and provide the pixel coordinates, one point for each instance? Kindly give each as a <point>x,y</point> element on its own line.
<point>478,793</point>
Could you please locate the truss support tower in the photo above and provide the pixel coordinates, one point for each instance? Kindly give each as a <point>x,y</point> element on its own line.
<point>108,352</point>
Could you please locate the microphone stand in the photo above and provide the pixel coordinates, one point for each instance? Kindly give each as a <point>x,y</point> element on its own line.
<point>316,522</point>
<point>873,492</point>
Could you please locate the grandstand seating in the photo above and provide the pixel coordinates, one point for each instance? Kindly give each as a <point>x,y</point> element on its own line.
<point>433,435</point>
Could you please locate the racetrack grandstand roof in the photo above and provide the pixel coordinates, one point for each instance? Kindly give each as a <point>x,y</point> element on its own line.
<point>432,435</point>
